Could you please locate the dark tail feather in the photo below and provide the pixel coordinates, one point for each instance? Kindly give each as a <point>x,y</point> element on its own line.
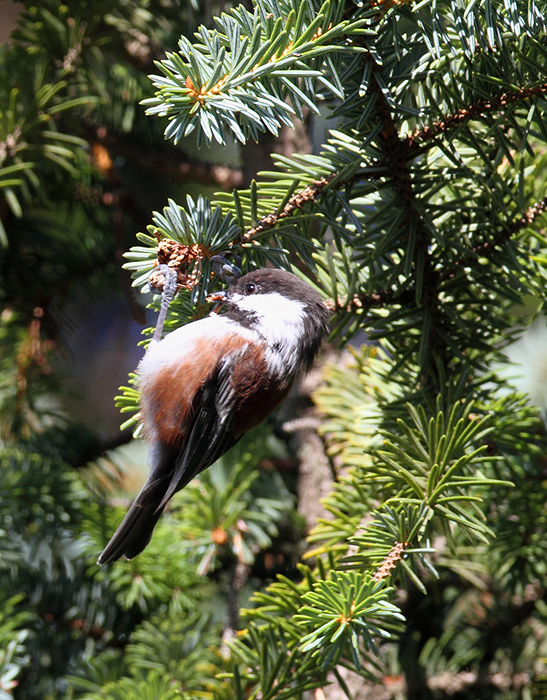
<point>133,534</point>
<point>137,527</point>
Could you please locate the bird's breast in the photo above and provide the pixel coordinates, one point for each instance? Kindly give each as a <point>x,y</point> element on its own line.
<point>258,390</point>
<point>172,389</point>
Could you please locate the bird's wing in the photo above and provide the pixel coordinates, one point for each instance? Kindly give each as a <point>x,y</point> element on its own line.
<point>209,436</point>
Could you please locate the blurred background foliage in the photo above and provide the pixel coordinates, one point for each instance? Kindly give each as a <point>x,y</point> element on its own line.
<point>403,172</point>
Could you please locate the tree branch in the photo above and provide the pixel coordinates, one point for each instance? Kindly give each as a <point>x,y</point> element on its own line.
<point>398,153</point>
<point>478,109</point>
<point>310,193</point>
<point>359,302</point>
<point>484,250</point>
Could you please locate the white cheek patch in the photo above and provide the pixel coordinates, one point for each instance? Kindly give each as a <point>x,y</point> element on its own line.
<point>279,324</point>
<point>280,321</point>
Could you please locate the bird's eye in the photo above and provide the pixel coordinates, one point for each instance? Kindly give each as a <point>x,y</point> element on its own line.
<point>250,288</point>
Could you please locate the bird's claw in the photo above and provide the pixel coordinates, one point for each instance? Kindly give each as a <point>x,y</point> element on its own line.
<point>168,292</point>
<point>227,265</point>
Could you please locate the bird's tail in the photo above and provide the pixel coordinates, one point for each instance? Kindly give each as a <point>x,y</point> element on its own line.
<point>136,528</point>
<point>133,534</point>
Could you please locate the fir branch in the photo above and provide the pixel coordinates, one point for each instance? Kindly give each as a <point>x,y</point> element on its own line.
<point>486,249</point>
<point>390,562</point>
<point>399,174</point>
<point>308,194</point>
<point>398,152</point>
<point>360,302</point>
<point>394,148</point>
<point>533,212</point>
<point>375,300</point>
<point>239,75</point>
<point>478,109</point>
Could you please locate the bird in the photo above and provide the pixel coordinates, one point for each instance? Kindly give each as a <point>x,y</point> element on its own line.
<point>205,384</point>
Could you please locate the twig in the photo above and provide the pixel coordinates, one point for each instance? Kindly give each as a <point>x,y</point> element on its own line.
<point>376,300</point>
<point>310,193</point>
<point>484,250</point>
<point>478,109</point>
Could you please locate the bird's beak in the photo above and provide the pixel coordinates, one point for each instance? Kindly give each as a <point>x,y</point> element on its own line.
<point>218,299</point>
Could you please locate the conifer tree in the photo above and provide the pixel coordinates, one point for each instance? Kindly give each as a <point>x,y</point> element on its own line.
<point>421,221</point>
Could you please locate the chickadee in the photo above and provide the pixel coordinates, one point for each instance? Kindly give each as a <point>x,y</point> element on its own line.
<point>206,384</point>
